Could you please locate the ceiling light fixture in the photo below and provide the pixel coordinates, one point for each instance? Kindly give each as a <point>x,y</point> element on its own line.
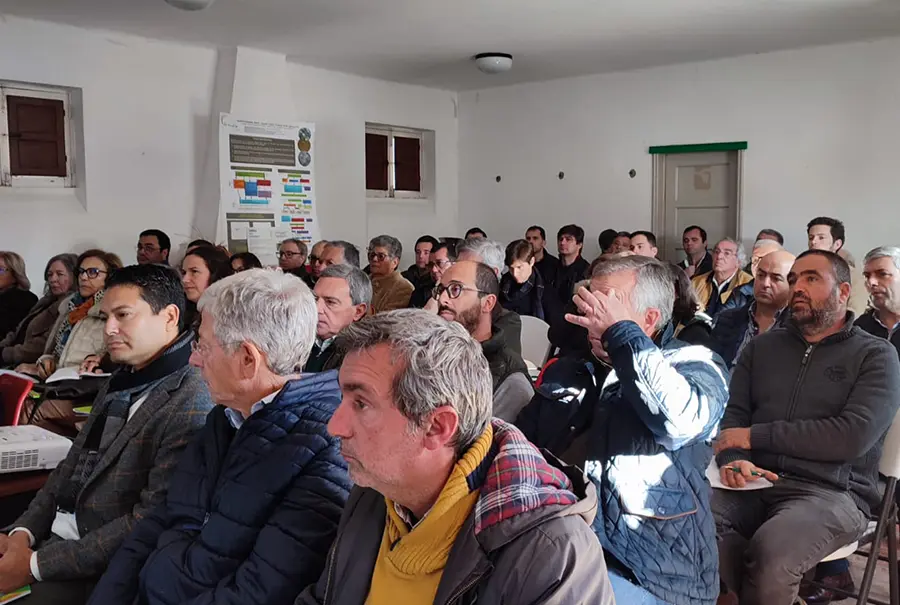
<point>493,63</point>
<point>190,5</point>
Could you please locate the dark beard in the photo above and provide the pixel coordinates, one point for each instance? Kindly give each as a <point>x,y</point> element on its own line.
<point>819,317</point>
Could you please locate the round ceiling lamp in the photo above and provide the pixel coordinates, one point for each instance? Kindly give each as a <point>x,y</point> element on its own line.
<point>493,63</point>
<point>190,5</point>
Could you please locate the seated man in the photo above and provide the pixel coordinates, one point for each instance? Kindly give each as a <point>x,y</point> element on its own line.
<point>389,289</point>
<point>153,247</point>
<point>119,467</point>
<point>468,295</point>
<point>812,403</point>
<point>714,288</point>
<point>734,328</point>
<point>338,252</point>
<point>343,294</point>
<point>449,506</point>
<point>743,295</point>
<point>647,444</point>
<point>418,273</point>
<point>440,259</point>
<point>255,499</point>
<point>493,254</point>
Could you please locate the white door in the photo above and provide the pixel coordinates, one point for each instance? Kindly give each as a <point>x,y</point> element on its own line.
<point>698,189</point>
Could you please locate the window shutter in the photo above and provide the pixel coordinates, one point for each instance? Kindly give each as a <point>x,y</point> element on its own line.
<point>37,137</point>
<point>406,164</point>
<point>376,162</point>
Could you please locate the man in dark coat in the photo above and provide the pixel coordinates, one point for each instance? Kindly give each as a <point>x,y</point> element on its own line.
<point>255,501</point>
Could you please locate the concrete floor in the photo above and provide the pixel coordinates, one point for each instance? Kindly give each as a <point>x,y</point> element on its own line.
<point>880,585</point>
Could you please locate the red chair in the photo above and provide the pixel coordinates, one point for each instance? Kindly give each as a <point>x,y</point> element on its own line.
<point>13,392</point>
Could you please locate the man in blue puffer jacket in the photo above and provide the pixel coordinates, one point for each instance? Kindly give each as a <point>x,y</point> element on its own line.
<point>648,443</point>
<point>254,504</point>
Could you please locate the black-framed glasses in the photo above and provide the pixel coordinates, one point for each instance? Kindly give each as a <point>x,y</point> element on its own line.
<point>288,254</point>
<point>147,248</point>
<point>313,259</point>
<point>92,272</point>
<point>454,290</point>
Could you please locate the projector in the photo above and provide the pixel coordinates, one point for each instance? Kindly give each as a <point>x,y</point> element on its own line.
<point>30,448</point>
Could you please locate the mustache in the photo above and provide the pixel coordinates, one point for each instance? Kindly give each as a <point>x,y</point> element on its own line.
<point>800,297</point>
<point>443,308</point>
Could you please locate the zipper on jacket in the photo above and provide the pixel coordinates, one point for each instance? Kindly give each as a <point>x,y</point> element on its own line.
<point>797,384</point>
<point>473,579</point>
<point>330,576</point>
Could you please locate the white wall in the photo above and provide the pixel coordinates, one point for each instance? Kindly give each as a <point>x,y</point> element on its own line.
<point>821,123</point>
<point>146,114</point>
<point>340,105</point>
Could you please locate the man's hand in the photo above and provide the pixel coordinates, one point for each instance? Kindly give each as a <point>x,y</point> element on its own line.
<point>746,472</point>
<point>599,312</point>
<point>90,365</point>
<point>27,368</point>
<point>45,367</point>
<point>732,438</point>
<point>15,565</point>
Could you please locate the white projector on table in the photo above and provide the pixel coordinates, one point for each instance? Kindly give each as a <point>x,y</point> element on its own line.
<point>30,448</point>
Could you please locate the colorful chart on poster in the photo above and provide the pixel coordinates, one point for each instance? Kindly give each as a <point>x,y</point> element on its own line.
<point>267,175</point>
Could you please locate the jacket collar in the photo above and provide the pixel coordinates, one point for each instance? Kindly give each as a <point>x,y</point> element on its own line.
<point>845,332</point>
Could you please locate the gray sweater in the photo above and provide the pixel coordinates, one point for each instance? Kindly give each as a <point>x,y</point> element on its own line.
<point>817,412</point>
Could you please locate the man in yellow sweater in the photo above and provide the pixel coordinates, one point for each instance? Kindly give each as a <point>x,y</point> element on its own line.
<point>449,506</point>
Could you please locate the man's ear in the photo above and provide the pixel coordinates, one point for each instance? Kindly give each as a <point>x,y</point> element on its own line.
<point>651,321</point>
<point>359,311</point>
<point>249,358</point>
<point>172,317</point>
<point>441,427</point>
<point>488,303</point>
<point>845,289</point>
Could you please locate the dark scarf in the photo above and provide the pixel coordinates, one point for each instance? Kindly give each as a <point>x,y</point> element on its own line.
<point>531,293</point>
<point>125,387</point>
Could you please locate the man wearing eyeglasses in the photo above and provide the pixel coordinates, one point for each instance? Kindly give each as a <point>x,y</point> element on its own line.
<point>390,290</point>
<point>292,257</point>
<point>153,248</point>
<point>714,288</point>
<point>467,294</point>
<point>441,258</point>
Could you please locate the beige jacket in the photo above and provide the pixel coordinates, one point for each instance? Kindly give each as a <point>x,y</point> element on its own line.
<point>86,337</point>
<point>390,292</point>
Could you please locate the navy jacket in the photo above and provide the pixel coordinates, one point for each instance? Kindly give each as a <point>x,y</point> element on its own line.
<point>250,513</point>
<point>642,429</point>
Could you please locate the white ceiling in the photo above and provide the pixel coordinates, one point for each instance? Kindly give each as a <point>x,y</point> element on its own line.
<point>430,42</point>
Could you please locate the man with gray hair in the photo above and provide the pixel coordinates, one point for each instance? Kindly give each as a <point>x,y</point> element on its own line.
<point>390,290</point>
<point>448,505</point>
<point>343,295</point>
<point>715,288</point>
<point>643,435</point>
<point>881,270</point>
<point>493,254</point>
<point>254,503</point>
<point>338,252</point>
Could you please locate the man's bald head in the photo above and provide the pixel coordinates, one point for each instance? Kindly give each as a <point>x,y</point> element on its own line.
<point>771,286</point>
<point>761,249</point>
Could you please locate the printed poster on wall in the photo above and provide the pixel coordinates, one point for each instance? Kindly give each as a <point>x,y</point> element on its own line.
<point>267,173</point>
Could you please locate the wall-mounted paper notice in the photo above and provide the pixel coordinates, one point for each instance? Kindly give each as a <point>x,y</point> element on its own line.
<point>239,230</point>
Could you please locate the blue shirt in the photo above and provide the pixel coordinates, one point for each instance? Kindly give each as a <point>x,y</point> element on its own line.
<point>237,419</point>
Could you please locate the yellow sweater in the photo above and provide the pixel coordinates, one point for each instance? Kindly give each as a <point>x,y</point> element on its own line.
<point>409,572</point>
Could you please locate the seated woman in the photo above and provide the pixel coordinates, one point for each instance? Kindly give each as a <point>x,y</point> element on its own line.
<point>522,289</point>
<point>77,335</point>
<point>202,267</point>
<point>16,299</point>
<point>692,325</point>
<point>26,342</point>
<point>245,260</point>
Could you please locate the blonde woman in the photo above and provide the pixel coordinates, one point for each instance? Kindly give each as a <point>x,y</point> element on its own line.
<point>16,298</point>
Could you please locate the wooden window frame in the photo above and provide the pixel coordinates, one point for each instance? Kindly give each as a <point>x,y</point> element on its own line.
<point>7,179</point>
<point>395,131</point>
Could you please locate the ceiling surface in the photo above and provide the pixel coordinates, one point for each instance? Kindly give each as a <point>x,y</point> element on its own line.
<point>431,42</point>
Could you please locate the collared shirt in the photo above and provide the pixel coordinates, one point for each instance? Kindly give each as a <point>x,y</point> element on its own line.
<point>719,287</point>
<point>752,330</point>
<point>237,419</point>
<point>890,331</point>
<point>324,344</point>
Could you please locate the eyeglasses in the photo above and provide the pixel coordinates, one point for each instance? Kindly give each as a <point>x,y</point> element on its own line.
<point>725,253</point>
<point>92,273</point>
<point>147,248</point>
<point>313,259</point>
<point>288,255</point>
<point>454,290</point>
<point>199,349</point>
<point>444,263</point>
<point>378,257</point>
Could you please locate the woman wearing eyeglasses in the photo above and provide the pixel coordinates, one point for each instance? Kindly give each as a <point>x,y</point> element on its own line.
<point>78,332</point>
<point>16,298</point>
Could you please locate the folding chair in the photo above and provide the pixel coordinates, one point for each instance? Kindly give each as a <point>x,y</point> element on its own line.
<point>884,528</point>
<point>535,343</point>
<point>13,392</point>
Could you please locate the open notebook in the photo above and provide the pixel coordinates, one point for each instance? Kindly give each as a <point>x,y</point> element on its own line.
<point>715,480</point>
<point>71,374</point>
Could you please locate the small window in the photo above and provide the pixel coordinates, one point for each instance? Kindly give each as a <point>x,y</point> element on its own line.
<point>35,140</point>
<point>395,162</point>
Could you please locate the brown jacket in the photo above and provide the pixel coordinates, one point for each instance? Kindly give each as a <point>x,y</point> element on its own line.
<point>390,292</point>
<point>703,286</point>
<point>129,480</point>
<point>26,343</point>
<point>545,556</point>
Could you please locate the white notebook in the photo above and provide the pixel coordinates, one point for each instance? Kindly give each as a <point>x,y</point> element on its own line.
<point>715,480</point>
<point>71,373</point>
